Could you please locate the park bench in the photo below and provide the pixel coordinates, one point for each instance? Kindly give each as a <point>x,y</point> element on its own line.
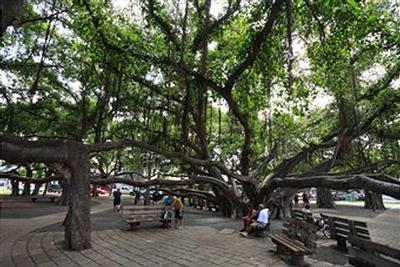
<point>213,206</point>
<point>134,215</point>
<point>366,253</point>
<point>341,228</point>
<point>302,216</point>
<point>297,239</point>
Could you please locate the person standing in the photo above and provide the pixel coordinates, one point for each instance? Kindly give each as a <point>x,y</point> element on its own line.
<point>117,200</point>
<point>173,202</point>
<point>138,196</point>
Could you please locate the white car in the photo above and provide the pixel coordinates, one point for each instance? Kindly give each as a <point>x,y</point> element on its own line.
<point>124,189</point>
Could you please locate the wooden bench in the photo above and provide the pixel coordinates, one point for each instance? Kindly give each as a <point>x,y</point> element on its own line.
<point>213,206</point>
<point>134,215</point>
<point>341,228</point>
<point>303,216</point>
<point>366,253</point>
<point>297,240</point>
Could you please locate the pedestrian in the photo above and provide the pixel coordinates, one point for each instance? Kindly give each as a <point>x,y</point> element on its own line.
<point>173,202</point>
<point>138,196</point>
<point>117,200</point>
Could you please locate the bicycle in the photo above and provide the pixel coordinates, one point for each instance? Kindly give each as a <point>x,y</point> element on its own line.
<point>323,226</point>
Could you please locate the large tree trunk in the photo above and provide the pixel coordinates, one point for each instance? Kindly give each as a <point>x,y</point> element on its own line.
<point>65,195</point>
<point>325,199</point>
<point>94,191</point>
<point>27,185</point>
<point>27,189</point>
<point>373,201</point>
<point>10,10</point>
<point>77,224</point>
<point>36,189</point>
<point>14,188</point>
<point>72,156</point>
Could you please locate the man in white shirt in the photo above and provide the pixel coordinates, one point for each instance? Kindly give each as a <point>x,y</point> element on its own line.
<point>261,223</point>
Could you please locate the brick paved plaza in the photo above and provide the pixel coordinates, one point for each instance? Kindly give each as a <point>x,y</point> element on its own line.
<point>206,240</point>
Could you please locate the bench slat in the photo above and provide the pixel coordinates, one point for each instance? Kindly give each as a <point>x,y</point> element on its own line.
<point>372,246</point>
<point>295,247</point>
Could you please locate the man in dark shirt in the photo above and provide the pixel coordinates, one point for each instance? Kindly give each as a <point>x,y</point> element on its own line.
<point>117,200</point>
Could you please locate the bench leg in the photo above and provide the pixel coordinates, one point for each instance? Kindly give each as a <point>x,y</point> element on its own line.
<point>52,199</point>
<point>280,249</point>
<point>342,244</point>
<point>133,226</point>
<point>298,260</point>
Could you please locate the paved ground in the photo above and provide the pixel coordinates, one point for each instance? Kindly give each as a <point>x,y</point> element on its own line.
<point>31,235</point>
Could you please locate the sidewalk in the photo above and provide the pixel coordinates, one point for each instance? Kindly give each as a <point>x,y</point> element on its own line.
<point>206,240</point>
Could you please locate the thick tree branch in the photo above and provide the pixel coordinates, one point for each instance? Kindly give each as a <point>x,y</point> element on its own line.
<point>340,183</point>
<point>260,170</point>
<point>165,26</point>
<point>255,45</point>
<point>31,180</point>
<point>199,38</point>
<point>48,151</point>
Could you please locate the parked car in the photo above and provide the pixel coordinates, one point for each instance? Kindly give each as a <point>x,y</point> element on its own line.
<point>54,188</point>
<point>124,189</point>
<point>103,190</point>
<point>339,195</point>
<point>360,195</point>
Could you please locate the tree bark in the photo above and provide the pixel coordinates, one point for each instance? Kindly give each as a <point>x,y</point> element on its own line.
<point>373,201</point>
<point>36,189</point>
<point>77,224</point>
<point>71,155</point>
<point>325,199</point>
<point>10,11</point>
<point>27,185</point>
<point>65,194</point>
<point>14,188</point>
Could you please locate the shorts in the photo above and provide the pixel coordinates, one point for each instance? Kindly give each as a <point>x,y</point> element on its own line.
<point>179,214</point>
<point>259,226</point>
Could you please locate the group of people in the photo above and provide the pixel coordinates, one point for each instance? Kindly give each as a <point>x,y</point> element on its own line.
<point>172,204</point>
<point>305,198</point>
<point>255,220</point>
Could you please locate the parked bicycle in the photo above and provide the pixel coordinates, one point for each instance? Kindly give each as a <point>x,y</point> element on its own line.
<point>323,226</point>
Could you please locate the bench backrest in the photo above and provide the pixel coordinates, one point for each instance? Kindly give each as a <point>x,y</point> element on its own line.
<point>372,252</point>
<point>142,211</point>
<point>301,231</point>
<point>342,227</point>
<point>301,215</point>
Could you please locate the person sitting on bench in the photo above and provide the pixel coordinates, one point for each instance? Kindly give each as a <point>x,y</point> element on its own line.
<point>251,214</point>
<point>261,223</point>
